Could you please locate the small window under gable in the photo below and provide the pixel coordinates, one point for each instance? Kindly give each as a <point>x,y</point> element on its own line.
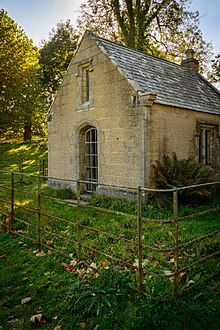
<point>85,87</point>
<point>84,75</point>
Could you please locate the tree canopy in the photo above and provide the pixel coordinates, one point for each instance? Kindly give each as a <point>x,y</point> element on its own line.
<point>20,101</point>
<point>55,56</point>
<point>215,74</point>
<point>164,28</point>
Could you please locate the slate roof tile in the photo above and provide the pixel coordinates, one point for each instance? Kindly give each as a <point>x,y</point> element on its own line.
<point>174,84</point>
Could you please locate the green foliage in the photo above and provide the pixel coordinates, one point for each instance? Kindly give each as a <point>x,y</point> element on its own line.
<point>64,193</point>
<point>101,294</point>
<point>21,106</point>
<point>55,56</point>
<point>215,74</point>
<point>114,203</point>
<point>162,28</point>
<point>172,172</point>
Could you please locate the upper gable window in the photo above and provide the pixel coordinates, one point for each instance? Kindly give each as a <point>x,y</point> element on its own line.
<point>84,75</point>
<point>86,84</point>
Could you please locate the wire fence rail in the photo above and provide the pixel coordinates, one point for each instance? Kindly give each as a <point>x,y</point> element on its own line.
<point>167,252</point>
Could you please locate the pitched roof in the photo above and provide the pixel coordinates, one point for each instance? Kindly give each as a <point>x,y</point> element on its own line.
<point>174,84</point>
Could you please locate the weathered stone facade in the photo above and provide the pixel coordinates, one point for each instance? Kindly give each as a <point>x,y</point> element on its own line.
<point>133,130</point>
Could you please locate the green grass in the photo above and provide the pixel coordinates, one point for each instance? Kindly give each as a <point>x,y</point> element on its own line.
<point>70,299</point>
<point>71,295</point>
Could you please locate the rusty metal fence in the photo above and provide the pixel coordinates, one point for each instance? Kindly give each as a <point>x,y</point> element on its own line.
<point>167,252</point>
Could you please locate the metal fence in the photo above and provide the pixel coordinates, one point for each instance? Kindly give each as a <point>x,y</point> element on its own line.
<point>167,251</point>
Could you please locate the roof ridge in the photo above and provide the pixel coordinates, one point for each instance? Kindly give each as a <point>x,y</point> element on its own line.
<point>173,83</point>
<point>101,39</point>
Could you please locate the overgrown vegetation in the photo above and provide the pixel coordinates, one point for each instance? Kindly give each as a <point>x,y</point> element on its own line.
<point>70,295</point>
<point>171,173</point>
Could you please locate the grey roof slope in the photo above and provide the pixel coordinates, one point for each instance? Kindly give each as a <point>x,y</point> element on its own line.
<point>174,84</point>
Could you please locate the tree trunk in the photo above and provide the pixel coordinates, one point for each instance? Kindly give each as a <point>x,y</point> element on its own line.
<point>27,132</point>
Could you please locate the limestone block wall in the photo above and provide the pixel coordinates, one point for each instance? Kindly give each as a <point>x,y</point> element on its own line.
<point>110,111</point>
<point>173,129</point>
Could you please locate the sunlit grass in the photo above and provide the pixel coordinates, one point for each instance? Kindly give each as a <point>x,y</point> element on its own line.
<point>19,149</point>
<point>73,300</point>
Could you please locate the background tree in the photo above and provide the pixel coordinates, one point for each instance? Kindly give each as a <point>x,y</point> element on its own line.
<point>164,28</point>
<point>20,102</point>
<point>215,74</point>
<point>55,56</point>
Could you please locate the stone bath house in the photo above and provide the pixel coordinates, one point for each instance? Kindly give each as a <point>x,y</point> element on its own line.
<point>118,110</point>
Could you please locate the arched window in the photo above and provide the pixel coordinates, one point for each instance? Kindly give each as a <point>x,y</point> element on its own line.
<point>91,158</point>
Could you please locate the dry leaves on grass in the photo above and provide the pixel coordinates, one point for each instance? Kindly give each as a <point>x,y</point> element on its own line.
<point>25,300</point>
<point>39,253</point>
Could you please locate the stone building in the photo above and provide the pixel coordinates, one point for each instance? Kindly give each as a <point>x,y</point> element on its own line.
<point>118,110</point>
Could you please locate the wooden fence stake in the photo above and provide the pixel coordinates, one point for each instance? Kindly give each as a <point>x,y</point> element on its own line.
<point>176,244</point>
<point>78,219</point>
<point>39,213</point>
<point>139,227</point>
<point>11,226</point>
<point>21,170</point>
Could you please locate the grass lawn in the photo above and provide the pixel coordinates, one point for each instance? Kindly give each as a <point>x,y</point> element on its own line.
<point>104,302</point>
<point>69,295</point>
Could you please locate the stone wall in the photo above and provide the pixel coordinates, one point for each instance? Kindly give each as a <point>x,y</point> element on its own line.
<point>173,129</point>
<point>110,110</point>
<point>130,136</point>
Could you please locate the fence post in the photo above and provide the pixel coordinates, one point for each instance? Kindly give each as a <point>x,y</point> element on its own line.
<point>78,220</point>
<point>39,213</point>
<point>21,170</point>
<point>42,167</point>
<point>176,243</point>
<point>139,227</point>
<point>11,226</point>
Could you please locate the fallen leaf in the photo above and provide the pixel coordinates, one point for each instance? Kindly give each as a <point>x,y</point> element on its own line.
<point>198,295</point>
<point>73,262</point>
<point>97,327</point>
<point>181,275</point>
<point>58,327</point>
<point>40,254</point>
<point>68,268</point>
<point>25,300</point>
<point>190,282</point>
<point>82,325</point>
<point>93,265</point>
<point>103,262</point>
<point>96,275</point>
<point>6,222</point>
<point>50,243</point>
<point>36,318</point>
<point>168,272</point>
